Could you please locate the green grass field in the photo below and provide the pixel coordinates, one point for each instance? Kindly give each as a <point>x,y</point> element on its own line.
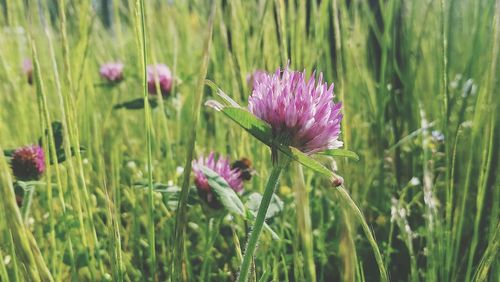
<point>419,87</point>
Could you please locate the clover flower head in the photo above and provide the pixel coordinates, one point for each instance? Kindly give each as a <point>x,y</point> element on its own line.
<point>28,70</point>
<point>301,111</point>
<point>28,163</point>
<point>254,77</point>
<point>112,72</point>
<point>223,168</point>
<point>164,76</point>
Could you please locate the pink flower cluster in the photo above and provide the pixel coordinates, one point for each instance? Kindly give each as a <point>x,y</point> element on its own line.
<point>112,72</point>
<point>254,77</point>
<point>28,163</point>
<point>222,167</point>
<point>300,111</point>
<point>28,70</point>
<point>163,74</point>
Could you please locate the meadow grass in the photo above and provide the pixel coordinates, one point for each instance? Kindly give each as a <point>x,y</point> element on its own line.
<point>418,82</point>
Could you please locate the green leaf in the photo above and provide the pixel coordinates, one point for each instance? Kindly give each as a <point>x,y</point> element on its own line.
<point>61,155</point>
<point>108,84</point>
<point>225,194</point>
<point>57,132</point>
<point>251,215</point>
<point>24,185</point>
<point>158,187</point>
<point>229,199</point>
<point>296,155</point>
<point>29,185</point>
<point>275,207</point>
<point>67,224</point>
<point>226,99</point>
<point>136,104</point>
<point>263,132</point>
<point>82,258</point>
<point>170,193</point>
<point>255,126</point>
<point>8,152</point>
<point>340,153</point>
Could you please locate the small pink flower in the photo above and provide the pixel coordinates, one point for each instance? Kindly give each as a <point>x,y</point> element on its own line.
<point>28,70</point>
<point>163,74</point>
<point>223,168</point>
<point>28,163</point>
<point>300,111</point>
<point>112,72</point>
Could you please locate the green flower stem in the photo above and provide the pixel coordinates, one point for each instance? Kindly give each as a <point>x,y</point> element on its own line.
<point>179,264</point>
<point>347,248</point>
<point>212,230</point>
<point>141,35</point>
<point>24,245</point>
<point>304,222</point>
<point>345,198</point>
<point>25,208</point>
<point>271,185</point>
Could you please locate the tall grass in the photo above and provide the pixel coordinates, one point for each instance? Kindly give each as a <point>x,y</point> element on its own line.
<point>406,71</point>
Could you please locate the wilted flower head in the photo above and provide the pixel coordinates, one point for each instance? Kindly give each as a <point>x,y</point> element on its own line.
<point>112,72</point>
<point>28,70</point>
<point>164,76</point>
<point>300,111</point>
<point>254,77</point>
<point>28,163</point>
<point>223,168</point>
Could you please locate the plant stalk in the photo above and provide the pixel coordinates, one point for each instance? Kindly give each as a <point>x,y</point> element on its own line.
<point>27,200</point>
<point>178,269</point>
<point>271,185</point>
<point>141,35</point>
<point>344,196</point>
<point>304,222</point>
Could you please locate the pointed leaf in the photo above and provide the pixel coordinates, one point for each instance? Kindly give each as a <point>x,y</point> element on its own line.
<point>296,155</point>
<point>227,100</point>
<point>57,131</point>
<point>8,152</point>
<point>251,215</point>
<point>229,199</point>
<point>136,104</point>
<point>225,194</point>
<point>61,155</point>
<point>263,132</point>
<point>275,207</point>
<point>108,84</point>
<point>255,126</point>
<point>340,153</point>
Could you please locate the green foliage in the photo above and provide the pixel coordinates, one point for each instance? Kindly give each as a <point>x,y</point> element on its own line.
<point>136,104</point>
<point>227,197</point>
<point>418,82</point>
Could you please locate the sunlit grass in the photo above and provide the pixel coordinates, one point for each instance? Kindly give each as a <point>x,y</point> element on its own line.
<point>406,72</point>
